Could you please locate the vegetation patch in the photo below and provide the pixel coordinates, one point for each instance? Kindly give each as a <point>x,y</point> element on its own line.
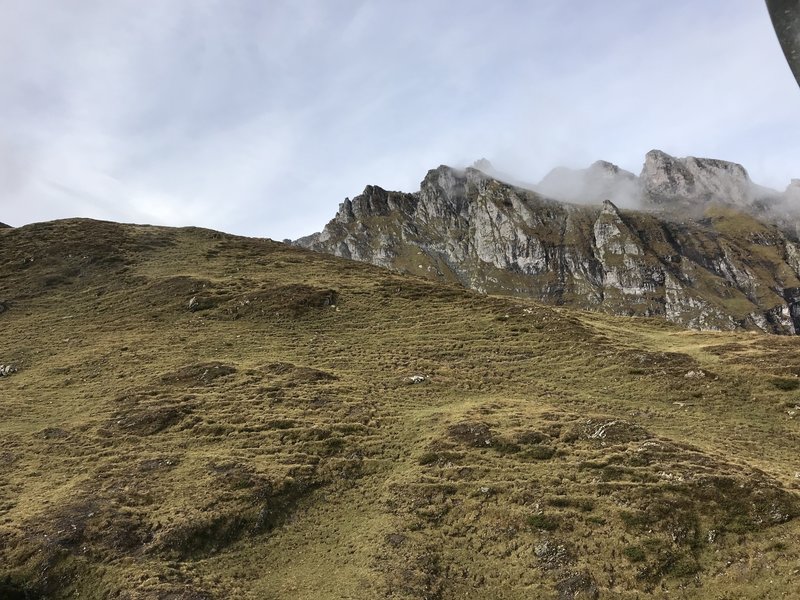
<point>292,299</point>
<point>538,452</point>
<point>297,374</point>
<point>786,384</point>
<point>581,503</point>
<point>147,420</point>
<point>475,434</point>
<point>635,554</point>
<point>200,374</point>
<point>544,522</point>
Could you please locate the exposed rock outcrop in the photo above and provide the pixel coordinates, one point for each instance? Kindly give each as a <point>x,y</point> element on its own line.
<point>691,180</point>
<point>725,270</point>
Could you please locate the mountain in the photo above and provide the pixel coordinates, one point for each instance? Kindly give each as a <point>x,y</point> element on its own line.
<point>195,415</point>
<point>693,181</point>
<point>712,250</point>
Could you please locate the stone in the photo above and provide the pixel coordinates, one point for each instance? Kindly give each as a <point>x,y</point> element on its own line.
<point>578,586</point>
<point>695,374</point>
<point>6,370</point>
<point>552,555</point>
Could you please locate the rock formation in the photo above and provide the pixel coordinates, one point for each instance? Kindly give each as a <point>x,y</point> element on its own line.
<point>693,181</point>
<point>726,269</point>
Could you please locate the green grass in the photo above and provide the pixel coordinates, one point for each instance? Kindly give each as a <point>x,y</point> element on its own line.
<point>786,384</point>
<point>272,445</point>
<point>635,554</point>
<point>545,522</point>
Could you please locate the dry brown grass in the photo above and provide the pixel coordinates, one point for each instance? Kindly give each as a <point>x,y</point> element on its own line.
<point>272,445</point>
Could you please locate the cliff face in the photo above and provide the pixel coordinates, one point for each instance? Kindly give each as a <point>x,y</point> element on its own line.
<point>725,270</point>
<point>690,180</point>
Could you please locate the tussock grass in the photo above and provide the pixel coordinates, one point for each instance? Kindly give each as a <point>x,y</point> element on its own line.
<point>272,444</point>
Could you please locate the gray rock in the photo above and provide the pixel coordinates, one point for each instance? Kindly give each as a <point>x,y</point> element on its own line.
<point>6,370</point>
<point>465,226</point>
<point>552,555</point>
<point>578,585</point>
<point>666,179</point>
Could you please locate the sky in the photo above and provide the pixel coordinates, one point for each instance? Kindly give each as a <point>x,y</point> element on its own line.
<point>258,117</point>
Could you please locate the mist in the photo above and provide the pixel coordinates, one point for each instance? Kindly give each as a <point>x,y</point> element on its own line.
<point>600,181</point>
<point>680,188</point>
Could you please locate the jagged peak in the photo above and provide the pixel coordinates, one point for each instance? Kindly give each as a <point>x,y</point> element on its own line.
<point>465,222</point>
<point>667,179</point>
<point>656,154</point>
<point>445,176</point>
<point>372,190</point>
<point>609,208</point>
<point>659,158</point>
<point>605,167</point>
<point>483,164</point>
<point>439,171</point>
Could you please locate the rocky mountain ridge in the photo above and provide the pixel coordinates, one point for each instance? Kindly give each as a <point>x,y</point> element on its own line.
<point>711,251</point>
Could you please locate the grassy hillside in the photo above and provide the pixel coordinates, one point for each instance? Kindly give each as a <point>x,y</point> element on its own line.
<point>269,442</point>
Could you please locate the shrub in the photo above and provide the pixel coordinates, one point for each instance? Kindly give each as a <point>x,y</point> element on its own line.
<point>633,553</point>
<point>540,521</point>
<point>583,504</point>
<point>786,384</point>
<point>428,458</point>
<point>539,452</point>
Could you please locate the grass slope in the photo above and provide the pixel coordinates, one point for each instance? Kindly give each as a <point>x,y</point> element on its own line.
<point>269,443</point>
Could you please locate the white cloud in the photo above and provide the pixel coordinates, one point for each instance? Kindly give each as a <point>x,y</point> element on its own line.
<point>259,118</point>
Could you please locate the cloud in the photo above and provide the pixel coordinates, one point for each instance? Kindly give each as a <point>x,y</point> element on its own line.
<point>259,118</point>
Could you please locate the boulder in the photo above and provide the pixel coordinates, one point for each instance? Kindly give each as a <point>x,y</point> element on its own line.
<point>6,370</point>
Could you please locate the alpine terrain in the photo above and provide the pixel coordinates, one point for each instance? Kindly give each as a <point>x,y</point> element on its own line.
<point>698,242</point>
<point>191,415</point>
